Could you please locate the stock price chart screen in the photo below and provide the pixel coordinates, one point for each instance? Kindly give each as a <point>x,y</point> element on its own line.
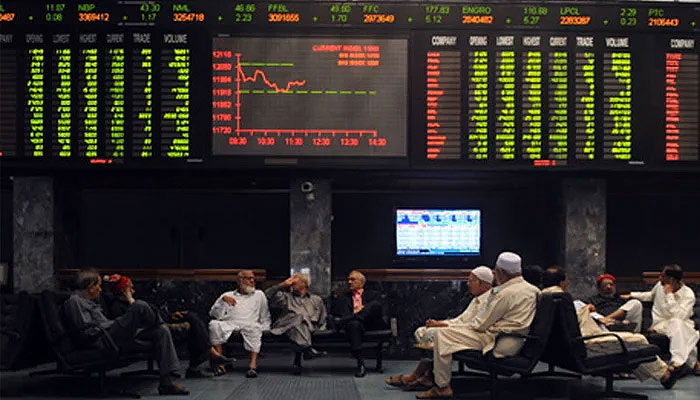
<point>309,97</point>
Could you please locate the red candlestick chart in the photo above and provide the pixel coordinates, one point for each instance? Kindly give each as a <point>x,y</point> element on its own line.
<point>309,97</point>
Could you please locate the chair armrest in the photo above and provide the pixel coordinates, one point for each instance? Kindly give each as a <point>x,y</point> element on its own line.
<point>518,335</point>
<point>101,333</point>
<point>619,339</point>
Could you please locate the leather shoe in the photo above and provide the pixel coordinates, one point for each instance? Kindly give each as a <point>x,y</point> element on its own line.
<point>197,373</point>
<point>173,389</point>
<point>311,353</point>
<point>671,381</point>
<point>361,371</point>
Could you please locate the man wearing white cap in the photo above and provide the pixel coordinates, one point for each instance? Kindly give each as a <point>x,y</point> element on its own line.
<point>479,282</point>
<point>509,307</point>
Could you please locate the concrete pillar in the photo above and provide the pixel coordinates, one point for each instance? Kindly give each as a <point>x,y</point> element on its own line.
<point>310,232</point>
<point>33,234</point>
<point>584,234</point>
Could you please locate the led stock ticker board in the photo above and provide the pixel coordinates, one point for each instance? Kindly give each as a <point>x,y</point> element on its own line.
<point>470,85</point>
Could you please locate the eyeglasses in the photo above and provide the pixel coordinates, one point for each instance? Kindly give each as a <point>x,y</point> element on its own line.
<point>247,278</point>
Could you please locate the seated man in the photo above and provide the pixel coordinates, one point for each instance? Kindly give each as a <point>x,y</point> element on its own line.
<point>479,283</point>
<point>242,310</point>
<point>510,307</point>
<point>609,308</point>
<point>302,314</point>
<point>554,281</point>
<point>671,315</point>
<point>82,312</point>
<point>357,311</point>
<point>180,323</point>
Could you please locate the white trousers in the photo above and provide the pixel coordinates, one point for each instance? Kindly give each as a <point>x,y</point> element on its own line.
<point>683,340</point>
<point>633,313</point>
<point>221,331</point>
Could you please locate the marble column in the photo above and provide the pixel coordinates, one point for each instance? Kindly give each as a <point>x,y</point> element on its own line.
<point>33,235</point>
<point>584,234</point>
<point>310,232</point>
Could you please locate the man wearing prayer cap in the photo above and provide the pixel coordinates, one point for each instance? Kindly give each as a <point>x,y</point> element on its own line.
<point>479,282</point>
<point>509,308</point>
<point>608,308</point>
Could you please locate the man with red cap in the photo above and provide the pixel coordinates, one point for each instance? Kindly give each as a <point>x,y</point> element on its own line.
<point>608,308</point>
<point>183,325</point>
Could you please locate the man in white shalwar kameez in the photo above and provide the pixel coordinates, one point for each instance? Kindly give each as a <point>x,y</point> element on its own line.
<point>671,315</point>
<point>554,281</point>
<point>510,307</point>
<point>242,310</point>
<point>479,282</point>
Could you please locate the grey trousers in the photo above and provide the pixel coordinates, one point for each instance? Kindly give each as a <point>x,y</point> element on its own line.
<point>142,321</point>
<point>296,329</point>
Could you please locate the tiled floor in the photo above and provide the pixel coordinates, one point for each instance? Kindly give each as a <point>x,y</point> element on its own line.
<point>328,378</point>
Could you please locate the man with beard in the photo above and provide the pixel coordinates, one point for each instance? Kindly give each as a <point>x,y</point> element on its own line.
<point>509,307</point>
<point>182,324</point>
<point>609,308</point>
<point>242,310</point>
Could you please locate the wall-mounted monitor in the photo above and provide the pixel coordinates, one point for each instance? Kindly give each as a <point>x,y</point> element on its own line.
<point>438,232</point>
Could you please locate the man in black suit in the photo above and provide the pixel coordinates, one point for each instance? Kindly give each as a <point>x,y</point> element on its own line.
<point>357,311</point>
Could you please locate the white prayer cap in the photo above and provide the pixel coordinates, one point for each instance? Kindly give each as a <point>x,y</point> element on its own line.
<point>509,262</point>
<point>483,273</point>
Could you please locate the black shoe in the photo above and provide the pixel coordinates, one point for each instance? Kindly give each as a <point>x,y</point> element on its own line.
<point>173,389</point>
<point>197,373</point>
<point>361,371</point>
<point>296,369</point>
<point>310,353</point>
<point>671,381</point>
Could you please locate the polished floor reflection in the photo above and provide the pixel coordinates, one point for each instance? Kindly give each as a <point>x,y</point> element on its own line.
<point>328,378</point>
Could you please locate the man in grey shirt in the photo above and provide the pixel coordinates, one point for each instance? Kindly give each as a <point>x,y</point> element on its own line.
<point>82,312</point>
<point>302,314</point>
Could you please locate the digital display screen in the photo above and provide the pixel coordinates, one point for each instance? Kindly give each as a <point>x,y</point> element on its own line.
<point>402,85</point>
<point>438,232</point>
<point>309,97</point>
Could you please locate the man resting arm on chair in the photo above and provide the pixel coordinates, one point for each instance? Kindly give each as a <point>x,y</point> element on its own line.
<point>81,310</point>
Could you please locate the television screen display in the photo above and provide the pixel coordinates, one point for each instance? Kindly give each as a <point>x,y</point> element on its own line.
<point>438,232</point>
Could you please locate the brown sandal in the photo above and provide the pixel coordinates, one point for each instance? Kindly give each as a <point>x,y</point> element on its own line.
<point>396,381</point>
<point>432,393</point>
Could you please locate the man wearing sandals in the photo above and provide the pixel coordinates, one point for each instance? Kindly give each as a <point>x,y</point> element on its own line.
<point>554,280</point>
<point>671,316</point>
<point>510,308</point>
<point>479,282</point>
<point>242,310</point>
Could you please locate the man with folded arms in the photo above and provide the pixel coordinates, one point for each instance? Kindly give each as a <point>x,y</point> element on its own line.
<point>671,315</point>
<point>510,308</point>
<point>242,310</point>
<point>479,282</point>
<point>82,313</point>
<point>554,281</point>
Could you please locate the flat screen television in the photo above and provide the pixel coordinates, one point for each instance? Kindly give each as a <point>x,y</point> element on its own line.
<point>438,232</point>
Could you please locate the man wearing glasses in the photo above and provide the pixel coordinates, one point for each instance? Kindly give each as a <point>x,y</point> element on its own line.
<point>242,310</point>
<point>611,309</point>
